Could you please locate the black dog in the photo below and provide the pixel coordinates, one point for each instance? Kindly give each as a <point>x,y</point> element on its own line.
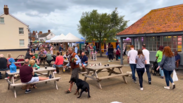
<point>155,66</point>
<point>84,86</point>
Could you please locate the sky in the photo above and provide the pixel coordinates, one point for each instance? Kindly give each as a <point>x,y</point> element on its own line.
<point>62,16</point>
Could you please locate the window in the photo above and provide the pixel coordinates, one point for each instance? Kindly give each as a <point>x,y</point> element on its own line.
<point>21,41</point>
<point>174,42</point>
<point>1,20</point>
<point>21,30</point>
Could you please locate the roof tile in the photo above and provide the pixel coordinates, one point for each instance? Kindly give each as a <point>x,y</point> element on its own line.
<point>168,19</point>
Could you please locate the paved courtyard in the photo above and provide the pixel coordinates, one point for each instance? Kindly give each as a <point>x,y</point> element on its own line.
<point>114,89</point>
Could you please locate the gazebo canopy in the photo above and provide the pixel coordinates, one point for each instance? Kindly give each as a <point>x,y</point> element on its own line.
<point>71,38</point>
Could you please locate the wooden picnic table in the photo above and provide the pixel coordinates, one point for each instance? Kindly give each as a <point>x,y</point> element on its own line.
<point>92,72</point>
<point>12,81</point>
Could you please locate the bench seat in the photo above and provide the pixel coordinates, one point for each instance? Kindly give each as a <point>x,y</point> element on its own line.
<point>22,84</point>
<point>116,75</point>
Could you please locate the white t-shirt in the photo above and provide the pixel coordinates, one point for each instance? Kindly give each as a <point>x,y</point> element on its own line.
<point>146,54</point>
<point>132,54</point>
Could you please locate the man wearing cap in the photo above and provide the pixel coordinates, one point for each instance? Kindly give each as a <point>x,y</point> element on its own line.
<point>74,61</point>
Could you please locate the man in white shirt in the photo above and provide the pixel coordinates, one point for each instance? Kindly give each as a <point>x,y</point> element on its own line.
<point>146,54</point>
<point>132,54</point>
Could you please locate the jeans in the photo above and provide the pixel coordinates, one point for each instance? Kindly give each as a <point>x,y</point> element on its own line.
<point>168,76</point>
<point>161,71</point>
<point>133,66</point>
<point>140,72</point>
<point>57,67</point>
<point>117,56</point>
<point>148,73</point>
<point>110,56</point>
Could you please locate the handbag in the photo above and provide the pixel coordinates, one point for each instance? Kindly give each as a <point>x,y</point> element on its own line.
<point>175,78</point>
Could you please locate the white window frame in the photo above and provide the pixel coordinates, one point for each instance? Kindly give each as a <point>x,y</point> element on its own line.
<point>21,31</point>
<point>1,20</point>
<point>21,42</point>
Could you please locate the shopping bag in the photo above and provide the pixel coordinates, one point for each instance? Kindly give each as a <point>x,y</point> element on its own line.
<point>175,78</point>
<point>106,53</point>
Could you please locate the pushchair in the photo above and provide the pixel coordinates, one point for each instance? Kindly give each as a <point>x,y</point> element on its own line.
<point>18,59</point>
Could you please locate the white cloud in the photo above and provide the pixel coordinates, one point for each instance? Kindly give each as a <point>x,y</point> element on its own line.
<point>63,16</point>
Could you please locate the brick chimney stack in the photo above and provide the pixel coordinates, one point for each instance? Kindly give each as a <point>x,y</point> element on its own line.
<point>6,10</point>
<point>34,33</point>
<point>49,31</point>
<point>40,32</point>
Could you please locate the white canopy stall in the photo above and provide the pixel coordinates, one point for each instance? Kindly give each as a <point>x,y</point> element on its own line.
<point>71,38</point>
<point>59,38</point>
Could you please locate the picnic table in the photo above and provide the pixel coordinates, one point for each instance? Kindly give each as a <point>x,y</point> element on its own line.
<point>12,82</point>
<point>93,71</point>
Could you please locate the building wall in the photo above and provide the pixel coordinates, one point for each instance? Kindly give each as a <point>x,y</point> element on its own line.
<point>51,35</point>
<point>9,34</point>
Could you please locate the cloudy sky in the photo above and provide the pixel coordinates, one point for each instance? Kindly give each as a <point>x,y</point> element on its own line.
<point>62,16</point>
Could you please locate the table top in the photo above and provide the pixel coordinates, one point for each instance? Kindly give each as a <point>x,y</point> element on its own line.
<point>42,69</point>
<point>17,62</point>
<point>103,67</point>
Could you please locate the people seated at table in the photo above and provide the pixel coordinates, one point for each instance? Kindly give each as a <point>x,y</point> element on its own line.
<point>84,61</point>
<point>9,56</point>
<point>26,76</point>
<point>177,59</point>
<point>42,57</point>
<point>28,54</point>
<point>58,62</point>
<point>49,58</point>
<point>3,65</point>
<point>33,64</point>
<point>44,50</point>
<point>66,56</point>
<point>13,67</point>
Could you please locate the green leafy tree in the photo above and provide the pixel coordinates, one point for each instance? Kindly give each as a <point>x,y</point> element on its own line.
<point>94,25</point>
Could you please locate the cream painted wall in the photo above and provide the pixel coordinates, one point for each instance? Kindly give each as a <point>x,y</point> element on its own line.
<point>9,34</point>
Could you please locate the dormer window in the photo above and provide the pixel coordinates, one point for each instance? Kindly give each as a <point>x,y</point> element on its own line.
<point>1,20</point>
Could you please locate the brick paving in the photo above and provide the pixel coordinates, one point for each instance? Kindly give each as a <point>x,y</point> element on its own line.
<point>114,89</point>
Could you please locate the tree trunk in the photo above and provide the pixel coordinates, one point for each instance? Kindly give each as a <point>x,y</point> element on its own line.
<point>100,44</point>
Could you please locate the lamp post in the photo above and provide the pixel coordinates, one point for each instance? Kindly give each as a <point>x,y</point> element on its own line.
<point>30,37</point>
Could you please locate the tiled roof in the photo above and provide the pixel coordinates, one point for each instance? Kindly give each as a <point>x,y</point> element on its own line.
<point>44,34</point>
<point>168,19</point>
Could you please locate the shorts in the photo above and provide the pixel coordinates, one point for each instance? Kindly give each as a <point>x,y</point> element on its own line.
<point>75,73</point>
<point>34,79</point>
<point>83,64</point>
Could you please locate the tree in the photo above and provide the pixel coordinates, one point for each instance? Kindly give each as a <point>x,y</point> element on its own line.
<point>94,25</point>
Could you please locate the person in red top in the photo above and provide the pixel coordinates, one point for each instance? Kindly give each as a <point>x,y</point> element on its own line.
<point>58,62</point>
<point>26,76</point>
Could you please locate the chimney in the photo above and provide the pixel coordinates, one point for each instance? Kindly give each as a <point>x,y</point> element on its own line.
<point>40,32</point>
<point>6,10</point>
<point>49,31</point>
